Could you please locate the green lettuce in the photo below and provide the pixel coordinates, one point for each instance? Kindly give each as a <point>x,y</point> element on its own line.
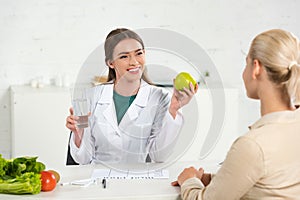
<point>27,183</point>
<point>20,175</point>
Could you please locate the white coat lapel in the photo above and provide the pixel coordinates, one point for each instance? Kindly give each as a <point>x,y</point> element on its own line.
<point>139,103</point>
<point>109,113</point>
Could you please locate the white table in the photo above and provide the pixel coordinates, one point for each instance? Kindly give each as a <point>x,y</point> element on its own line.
<point>116,189</point>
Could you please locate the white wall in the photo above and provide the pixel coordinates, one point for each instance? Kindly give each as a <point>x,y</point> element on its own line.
<point>51,37</point>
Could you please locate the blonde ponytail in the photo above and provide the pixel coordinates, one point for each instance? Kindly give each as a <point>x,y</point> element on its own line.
<point>293,84</point>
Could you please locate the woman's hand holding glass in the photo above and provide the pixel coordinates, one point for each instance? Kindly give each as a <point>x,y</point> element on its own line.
<point>181,98</point>
<point>71,124</point>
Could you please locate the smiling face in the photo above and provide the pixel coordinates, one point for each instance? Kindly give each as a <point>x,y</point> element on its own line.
<point>128,60</point>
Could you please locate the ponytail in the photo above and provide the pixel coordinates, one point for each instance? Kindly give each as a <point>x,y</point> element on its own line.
<point>293,84</point>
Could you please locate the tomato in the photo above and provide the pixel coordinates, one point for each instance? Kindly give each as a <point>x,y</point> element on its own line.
<point>56,174</point>
<point>48,181</point>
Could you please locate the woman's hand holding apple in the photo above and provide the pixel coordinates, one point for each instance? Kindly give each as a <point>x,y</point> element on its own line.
<point>184,89</point>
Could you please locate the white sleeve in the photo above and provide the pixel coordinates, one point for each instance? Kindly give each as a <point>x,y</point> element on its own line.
<point>83,154</point>
<point>162,142</point>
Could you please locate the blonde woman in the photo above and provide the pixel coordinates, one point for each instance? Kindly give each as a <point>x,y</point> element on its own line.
<point>265,162</point>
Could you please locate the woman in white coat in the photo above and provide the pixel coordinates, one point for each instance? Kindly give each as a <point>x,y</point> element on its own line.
<point>130,118</point>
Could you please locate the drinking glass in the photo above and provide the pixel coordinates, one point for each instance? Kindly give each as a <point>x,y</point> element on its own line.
<point>81,110</point>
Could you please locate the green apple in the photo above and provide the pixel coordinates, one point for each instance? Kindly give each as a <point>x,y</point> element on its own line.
<point>183,80</point>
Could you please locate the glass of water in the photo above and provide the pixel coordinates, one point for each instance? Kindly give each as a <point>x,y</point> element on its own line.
<point>80,105</point>
<point>81,110</point>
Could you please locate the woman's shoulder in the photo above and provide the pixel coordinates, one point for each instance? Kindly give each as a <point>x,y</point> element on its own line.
<point>247,143</point>
<point>100,87</point>
<point>97,91</point>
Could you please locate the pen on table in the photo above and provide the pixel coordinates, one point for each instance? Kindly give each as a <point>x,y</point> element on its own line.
<point>72,183</point>
<point>84,183</point>
<point>67,183</point>
<point>104,183</point>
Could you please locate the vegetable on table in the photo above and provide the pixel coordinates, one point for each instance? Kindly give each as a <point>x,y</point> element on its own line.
<point>56,174</point>
<point>48,181</point>
<point>20,175</point>
<point>27,183</point>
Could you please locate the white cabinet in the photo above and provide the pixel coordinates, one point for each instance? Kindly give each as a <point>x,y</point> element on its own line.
<point>38,123</point>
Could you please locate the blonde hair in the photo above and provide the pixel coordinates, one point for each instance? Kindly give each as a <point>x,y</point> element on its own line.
<point>278,51</point>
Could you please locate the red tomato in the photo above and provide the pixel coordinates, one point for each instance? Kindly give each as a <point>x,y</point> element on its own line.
<point>48,181</point>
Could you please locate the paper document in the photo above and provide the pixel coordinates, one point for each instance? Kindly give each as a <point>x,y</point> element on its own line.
<point>113,174</point>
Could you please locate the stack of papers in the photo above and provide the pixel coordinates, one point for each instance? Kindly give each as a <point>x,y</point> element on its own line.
<point>113,174</point>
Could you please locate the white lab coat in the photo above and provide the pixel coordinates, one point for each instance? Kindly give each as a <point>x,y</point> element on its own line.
<point>146,128</point>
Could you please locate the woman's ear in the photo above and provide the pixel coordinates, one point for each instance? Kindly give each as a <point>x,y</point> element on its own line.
<point>110,64</point>
<point>256,69</point>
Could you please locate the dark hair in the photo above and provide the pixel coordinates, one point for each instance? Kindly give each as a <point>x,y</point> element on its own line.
<point>111,41</point>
